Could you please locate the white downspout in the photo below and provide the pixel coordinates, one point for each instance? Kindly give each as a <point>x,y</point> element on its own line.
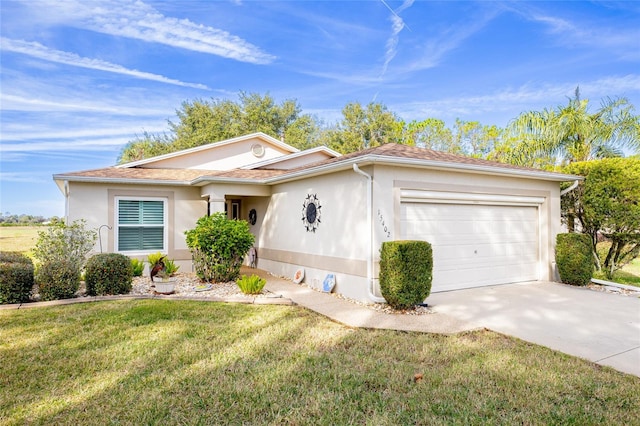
<point>370,293</point>
<point>571,188</point>
<point>66,202</point>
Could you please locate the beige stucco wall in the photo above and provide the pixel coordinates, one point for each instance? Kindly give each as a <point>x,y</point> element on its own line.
<point>95,204</point>
<point>222,157</point>
<point>339,244</point>
<point>299,161</point>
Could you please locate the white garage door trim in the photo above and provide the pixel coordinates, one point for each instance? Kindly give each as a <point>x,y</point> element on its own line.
<point>478,239</point>
<point>420,196</point>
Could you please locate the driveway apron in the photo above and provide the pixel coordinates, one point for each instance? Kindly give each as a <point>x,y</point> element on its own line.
<point>601,327</point>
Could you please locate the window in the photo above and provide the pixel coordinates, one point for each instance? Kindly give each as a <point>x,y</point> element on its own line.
<point>141,224</point>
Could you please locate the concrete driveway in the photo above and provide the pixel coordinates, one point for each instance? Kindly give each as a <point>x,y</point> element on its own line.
<point>601,327</point>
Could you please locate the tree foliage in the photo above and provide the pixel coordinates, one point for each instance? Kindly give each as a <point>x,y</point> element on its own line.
<point>608,202</point>
<point>572,133</point>
<point>539,139</point>
<point>201,122</point>
<point>364,127</point>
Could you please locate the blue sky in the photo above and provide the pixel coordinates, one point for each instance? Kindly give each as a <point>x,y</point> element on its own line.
<point>81,78</point>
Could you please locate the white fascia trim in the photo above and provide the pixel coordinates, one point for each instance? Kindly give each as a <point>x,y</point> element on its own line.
<point>122,181</point>
<point>298,154</point>
<point>259,135</point>
<point>442,165</point>
<point>213,179</point>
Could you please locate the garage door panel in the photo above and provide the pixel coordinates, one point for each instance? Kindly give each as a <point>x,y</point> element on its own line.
<point>475,245</point>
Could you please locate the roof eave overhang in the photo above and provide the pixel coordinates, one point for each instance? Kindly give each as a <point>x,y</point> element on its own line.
<point>205,180</point>
<point>421,163</point>
<point>93,179</point>
<point>339,166</point>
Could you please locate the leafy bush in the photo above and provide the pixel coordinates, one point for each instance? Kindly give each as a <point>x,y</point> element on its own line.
<point>58,279</point>
<point>137,266</point>
<point>574,258</point>
<point>61,252</point>
<point>405,272</point>
<point>251,285</point>
<point>69,243</point>
<point>108,273</point>
<point>16,277</point>
<point>154,258</point>
<point>170,267</point>
<point>218,246</point>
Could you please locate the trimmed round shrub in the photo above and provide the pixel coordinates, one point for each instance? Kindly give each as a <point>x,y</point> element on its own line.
<point>16,277</point>
<point>108,273</point>
<point>405,272</point>
<point>574,258</point>
<point>58,280</point>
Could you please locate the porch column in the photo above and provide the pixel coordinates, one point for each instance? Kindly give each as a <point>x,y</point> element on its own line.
<point>216,205</point>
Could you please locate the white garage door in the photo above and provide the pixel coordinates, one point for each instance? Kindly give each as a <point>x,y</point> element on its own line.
<point>475,245</point>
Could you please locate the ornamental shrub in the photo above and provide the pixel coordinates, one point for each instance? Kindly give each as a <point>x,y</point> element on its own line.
<point>58,279</point>
<point>170,266</point>
<point>251,285</point>
<point>405,272</point>
<point>574,258</point>
<point>108,273</point>
<point>16,277</point>
<point>68,243</point>
<point>137,266</point>
<point>218,246</point>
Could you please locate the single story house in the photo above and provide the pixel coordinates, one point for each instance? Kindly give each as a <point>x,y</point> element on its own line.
<point>489,223</point>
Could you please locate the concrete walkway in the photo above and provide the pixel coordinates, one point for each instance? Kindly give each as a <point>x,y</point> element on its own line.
<point>600,327</point>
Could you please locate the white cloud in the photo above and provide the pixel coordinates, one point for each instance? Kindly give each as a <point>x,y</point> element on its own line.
<point>137,20</point>
<point>397,25</point>
<point>20,103</point>
<point>48,133</point>
<point>39,51</point>
<point>619,41</point>
<point>512,101</point>
<point>101,144</point>
<point>436,48</point>
<point>23,177</point>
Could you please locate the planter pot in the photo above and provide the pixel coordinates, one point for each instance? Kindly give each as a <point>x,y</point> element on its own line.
<point>165,287</point>
<point>157,280</point>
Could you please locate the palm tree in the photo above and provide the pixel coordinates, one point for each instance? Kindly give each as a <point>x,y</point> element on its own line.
<point>571,133</point>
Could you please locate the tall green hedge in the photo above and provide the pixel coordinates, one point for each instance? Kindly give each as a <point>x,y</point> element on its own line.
<point>574,258</point>
<point>16,277</point>
<point>405,272</point>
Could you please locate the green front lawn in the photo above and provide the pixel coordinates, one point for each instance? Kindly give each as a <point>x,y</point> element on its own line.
<point>189,362</point>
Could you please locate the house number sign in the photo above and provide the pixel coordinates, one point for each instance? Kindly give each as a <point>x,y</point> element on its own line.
<point>385,228</point>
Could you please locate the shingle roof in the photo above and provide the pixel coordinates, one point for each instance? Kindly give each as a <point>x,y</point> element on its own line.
<point>170,175</point>
<point>389,151</point>
<point>394,150</point>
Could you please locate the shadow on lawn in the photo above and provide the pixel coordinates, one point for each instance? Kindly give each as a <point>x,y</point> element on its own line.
<point>167,362</point>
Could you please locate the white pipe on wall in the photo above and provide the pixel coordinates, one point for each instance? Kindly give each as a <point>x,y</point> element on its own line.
<point>571,188</point>
<point>370,292</point>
